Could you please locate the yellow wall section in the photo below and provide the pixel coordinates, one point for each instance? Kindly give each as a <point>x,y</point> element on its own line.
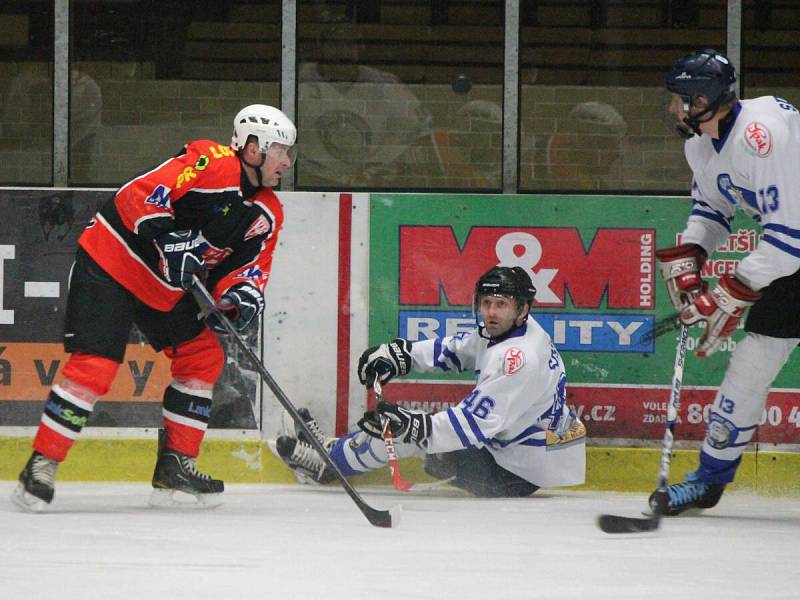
<point>617,469</point>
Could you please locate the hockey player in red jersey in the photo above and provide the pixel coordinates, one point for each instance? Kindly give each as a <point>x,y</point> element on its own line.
<point>207,212</point>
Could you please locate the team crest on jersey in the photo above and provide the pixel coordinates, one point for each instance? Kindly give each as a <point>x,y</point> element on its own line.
<point>758,138</point>
<point>259,227</point>
<point>513,361</point>
<point>738,196</point>
<point>159,197</point>
<point>254,274</point>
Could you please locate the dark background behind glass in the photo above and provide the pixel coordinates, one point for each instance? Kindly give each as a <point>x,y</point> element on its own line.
<point>390,94</point>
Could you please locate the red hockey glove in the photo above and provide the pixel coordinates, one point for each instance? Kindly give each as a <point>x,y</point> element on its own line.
<point>680,269</point>
<point>722,308</point>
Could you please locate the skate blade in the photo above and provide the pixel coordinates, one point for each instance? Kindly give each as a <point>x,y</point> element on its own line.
<point>304,479</point>
<point>161,498</point>
<point>689,512</point>
<point>301,478</point>
<point>27,501</point>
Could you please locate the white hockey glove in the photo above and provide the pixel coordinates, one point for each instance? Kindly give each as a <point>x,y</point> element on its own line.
<point>242,303</point>
<point>722,308</point>
<point>384,362</point>
<point>680,268</point>
<point>408,426</point>
<point>180,256</point>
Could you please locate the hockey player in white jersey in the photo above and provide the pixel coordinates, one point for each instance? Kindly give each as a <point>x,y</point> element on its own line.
<point>743,154</point>
<point>512,434</point>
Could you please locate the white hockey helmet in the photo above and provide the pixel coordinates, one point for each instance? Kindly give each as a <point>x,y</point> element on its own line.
<point>266,123</point>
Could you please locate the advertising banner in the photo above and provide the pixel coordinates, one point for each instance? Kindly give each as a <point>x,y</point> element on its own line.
<point>591,259</point>
<point>38,237</point>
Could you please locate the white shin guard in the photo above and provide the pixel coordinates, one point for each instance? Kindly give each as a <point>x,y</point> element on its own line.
<point>741,398</point>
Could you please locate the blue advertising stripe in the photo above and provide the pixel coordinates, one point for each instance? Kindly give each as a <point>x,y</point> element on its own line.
<point>582,332</point>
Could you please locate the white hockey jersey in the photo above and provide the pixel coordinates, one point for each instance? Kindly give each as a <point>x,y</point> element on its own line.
<point>755,167</point>
<point>517,409</point>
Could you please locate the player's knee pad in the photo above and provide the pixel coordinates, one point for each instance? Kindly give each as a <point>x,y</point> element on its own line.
<point>200,359</point>
<point>89,375</point>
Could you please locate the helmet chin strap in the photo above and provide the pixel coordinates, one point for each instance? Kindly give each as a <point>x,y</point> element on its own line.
<point>257,167</point>
<point>691,125</point>
<point>684,129</point>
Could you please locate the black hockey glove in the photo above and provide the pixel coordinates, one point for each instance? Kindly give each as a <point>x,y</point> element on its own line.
<point>408,426</point>
<point>180,256</point>
<point>384,362</point>
<point>242,303</point>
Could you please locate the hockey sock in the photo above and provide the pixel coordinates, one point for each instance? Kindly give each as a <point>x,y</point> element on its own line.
<point>187,409</point>
<point>358,453</point>
<point>63,418</point>
<point>85,378</point>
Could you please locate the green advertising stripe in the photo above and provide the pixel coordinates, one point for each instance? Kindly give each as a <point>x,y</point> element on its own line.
<point>445,248</point>
<point>607,469</point>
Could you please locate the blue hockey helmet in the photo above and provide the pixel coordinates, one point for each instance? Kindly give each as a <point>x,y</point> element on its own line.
<point>704,73</point>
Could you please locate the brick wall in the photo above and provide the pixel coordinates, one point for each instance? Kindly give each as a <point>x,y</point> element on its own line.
<point>572,137</point>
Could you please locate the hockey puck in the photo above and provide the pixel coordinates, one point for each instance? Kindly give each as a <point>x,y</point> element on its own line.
<point>461,84</point>
<point>659,502</point>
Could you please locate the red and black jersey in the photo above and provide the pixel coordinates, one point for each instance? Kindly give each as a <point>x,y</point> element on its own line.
<point>205,189</point>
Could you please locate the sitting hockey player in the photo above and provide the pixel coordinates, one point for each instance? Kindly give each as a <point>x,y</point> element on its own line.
<point>743,154</point>
<point>208,212</point>
<point>510,436</point>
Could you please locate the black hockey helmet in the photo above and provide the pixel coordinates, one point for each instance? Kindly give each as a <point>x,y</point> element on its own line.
<point>505,281</point>
<point>704,73</point>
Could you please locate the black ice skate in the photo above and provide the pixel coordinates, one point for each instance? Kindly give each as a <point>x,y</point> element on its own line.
<point>312,424</point>
<point>36,484</point>
<point>688,494</point>
<point>176,472</point>
<point>301,458</point>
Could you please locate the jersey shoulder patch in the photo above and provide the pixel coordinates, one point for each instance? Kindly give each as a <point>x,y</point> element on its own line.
<point>513,360</point>
<point>758,139</point>
<point>260,227</point>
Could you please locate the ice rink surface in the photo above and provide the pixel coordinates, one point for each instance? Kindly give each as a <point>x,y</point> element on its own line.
<point>100,541</point>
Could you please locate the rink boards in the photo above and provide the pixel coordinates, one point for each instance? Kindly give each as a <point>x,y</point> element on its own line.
<point>353,270</point>
<point>251,461</point>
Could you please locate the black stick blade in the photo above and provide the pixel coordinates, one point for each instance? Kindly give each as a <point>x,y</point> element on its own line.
<point>383,518</point>
<point>617,524</point>
<point>379,518</point>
